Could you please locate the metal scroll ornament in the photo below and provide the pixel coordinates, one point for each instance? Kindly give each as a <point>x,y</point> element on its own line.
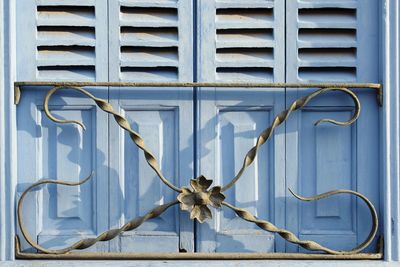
<point>199,197</point>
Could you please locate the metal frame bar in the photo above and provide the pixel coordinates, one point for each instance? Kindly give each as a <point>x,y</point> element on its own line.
<point>374,86</point>
<point>195,256</point>
<point>189,197</point>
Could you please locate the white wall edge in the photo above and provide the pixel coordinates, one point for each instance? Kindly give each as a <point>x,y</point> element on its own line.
<point>8,129</point>
<point>2,152</point>
<point>390,127</point>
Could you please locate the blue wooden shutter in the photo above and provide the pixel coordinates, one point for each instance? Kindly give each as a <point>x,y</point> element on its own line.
<point>151,41</point>
<point>60,215</point>
<point>63,40</point>
<point>332,41</point>
<point>241,41</point>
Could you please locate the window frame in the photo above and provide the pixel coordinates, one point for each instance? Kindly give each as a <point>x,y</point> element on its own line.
<point>390,132</point>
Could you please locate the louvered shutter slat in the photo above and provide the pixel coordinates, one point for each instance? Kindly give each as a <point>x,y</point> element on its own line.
<point>83,16</point>
<point>327,4</point>
<point>150,40</point>
<point>327,18</point>
<point>245,41</point>
<point>64,36</point>
<point>244,4</point>
<point>149,37</point>
<point>327,43</point>
<point>320,38</point>
<point>62,40</point>
<point>146,3</point>
<point>66,2</point>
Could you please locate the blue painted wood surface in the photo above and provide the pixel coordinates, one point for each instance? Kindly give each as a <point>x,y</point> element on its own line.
<point>164,118</point>
<point>154,41</point>
<point>332,43</point>
<point>58,215</point>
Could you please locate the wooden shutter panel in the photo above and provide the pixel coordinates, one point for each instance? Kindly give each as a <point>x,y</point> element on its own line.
<point>332,41</point>
<point>241,41</point>
<point>62,40</point>
<point>326,45</point>
<point>151,41</point>
<point>59,215</point>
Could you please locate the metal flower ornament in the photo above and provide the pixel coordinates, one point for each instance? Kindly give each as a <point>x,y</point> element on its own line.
<point>199,196</point>
<point>197,199</point>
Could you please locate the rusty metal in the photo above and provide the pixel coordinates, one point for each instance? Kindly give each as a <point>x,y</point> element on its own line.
<point>199,197</point>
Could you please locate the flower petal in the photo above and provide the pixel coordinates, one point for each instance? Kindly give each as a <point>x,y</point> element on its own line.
<point>195,213</point>
<point>201,183</point>
<point>201,213</point>
<point>186,190</point>
<point>195,184</point>
<point>185,206</point>
<point>205,213</point>
<point>215,190</point>
<point>216,197</point>
<point>186,199</point>
<point>204,182</point>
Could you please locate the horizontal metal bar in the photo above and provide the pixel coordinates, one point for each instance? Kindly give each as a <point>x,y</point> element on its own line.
<point>375,86</point>
<point>202,84</point>
<point>195,256</point>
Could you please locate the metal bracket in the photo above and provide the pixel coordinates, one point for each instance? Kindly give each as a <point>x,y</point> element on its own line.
<point>380,96</point>
<point>17,94</point>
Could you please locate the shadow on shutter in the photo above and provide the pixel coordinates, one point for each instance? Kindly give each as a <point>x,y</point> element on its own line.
<point>151,41</point>
<point>331,41</point>
<point>241,41</point>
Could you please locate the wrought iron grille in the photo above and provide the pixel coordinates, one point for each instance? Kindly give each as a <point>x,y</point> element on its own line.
<point>199,196</point>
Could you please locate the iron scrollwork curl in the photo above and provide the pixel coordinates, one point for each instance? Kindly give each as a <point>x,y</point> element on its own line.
<point>87,242</point>
<point>122,122</point>
<point>197,198</point>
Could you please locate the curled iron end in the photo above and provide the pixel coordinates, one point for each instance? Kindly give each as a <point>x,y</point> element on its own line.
<point>51,116</point>
<point>333,122</point>
<point>374,215</point>
<point>24,231</point>
<point>356,114</point>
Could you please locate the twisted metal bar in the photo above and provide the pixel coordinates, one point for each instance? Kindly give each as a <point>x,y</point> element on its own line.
<point>107,107</point>
<point>308,244</point>
<point>282,117</point>
<point>87,242</point>
<point>249,158</point>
